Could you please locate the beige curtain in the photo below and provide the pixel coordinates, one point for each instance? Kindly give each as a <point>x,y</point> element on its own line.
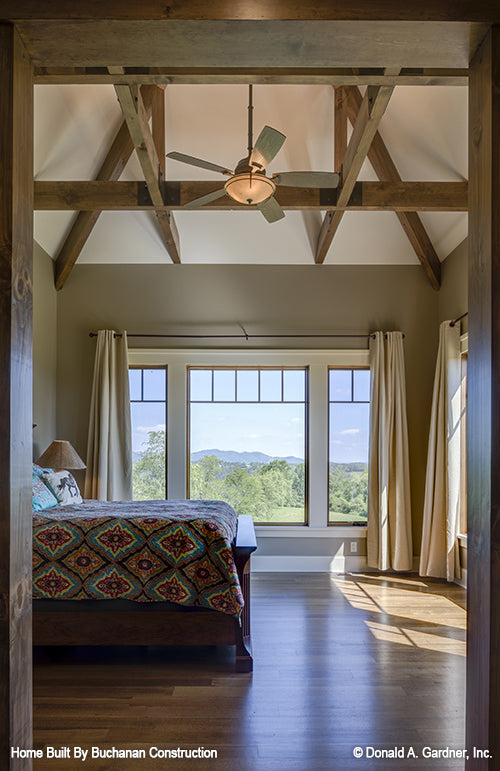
<point>109,447</point>
<point>439,552</point>
<point>389,540</point>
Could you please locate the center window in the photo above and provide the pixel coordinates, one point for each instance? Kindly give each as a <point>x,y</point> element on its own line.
<point>247,440</point>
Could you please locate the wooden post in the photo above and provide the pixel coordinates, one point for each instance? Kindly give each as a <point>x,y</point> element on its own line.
<point>483,428</point>
<point>16,256</point>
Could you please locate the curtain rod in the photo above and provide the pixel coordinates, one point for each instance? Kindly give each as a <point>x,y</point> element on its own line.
<point>243,336</point>
<point>455,321</point>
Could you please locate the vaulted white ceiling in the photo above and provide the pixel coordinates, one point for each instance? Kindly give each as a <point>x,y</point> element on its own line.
<point>424,128</point>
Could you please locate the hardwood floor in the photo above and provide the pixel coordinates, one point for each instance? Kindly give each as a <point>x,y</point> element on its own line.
<point>340,662</point>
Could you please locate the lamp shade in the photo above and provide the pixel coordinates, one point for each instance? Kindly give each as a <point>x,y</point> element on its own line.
<point>61,455</point>
<point>250,187</point>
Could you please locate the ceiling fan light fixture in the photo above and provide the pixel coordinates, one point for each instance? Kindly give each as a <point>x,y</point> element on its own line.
<point>250,188</point>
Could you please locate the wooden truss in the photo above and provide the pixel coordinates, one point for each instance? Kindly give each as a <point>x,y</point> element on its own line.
<point>145,104</point>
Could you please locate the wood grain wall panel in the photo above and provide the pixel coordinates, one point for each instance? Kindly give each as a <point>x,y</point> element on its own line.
<point>483,429</point>
<point>16,256</point>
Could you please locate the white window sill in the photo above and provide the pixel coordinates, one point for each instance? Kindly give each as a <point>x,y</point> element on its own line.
<point>335,531</point>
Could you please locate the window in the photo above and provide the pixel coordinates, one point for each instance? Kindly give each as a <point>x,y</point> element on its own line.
<point>253,427</point>
<point>349,415</point>
<point>463,444</point>
<point>148,403</point>
<point>247,440</point>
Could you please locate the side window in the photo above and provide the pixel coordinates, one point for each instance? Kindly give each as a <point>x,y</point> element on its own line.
<point>148,405</point>
<point>349,416</point>
<point>463,446</point>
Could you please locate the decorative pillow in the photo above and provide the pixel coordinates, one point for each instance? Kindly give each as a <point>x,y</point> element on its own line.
<point>42,497</point>
<point>38,470</point>
<point>63,485</point>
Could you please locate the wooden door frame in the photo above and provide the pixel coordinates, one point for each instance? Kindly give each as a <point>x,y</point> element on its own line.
<point>483,696</point>
<point>483,418</point>
<point>16,259</point>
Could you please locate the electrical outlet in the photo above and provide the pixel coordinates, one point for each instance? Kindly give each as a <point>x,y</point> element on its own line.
<point>354,547</point>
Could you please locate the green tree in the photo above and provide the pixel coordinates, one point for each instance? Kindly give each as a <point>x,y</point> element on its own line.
<point>148,472</point>
<point>276,480</point>
<point>243,491</point>
<point>255,488</point>
<point>206,479</point>
<point>348,491</point>
<point>299,484</point>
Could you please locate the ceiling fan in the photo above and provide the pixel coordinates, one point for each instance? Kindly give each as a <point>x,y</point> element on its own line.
<point>248,183</point>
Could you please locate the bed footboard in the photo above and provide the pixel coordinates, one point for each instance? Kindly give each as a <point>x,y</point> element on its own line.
<point>246,543</point>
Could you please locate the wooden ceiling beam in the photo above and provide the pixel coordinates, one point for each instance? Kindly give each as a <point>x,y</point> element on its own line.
<point>111,168</point>
<point>255,43</point>
<point>386,170</point>
<point>340,76</point>
<point>134,196</point>
<point>136,118</point>
<point>242,10</point>
<point>370,114</point>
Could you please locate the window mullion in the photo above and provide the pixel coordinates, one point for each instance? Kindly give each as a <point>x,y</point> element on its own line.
<point>177,429</point>
<point>318,444</point>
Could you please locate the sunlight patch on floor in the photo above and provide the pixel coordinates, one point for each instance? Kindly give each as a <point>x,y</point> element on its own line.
<point>388,633</point>
<point>436,642</point>
<point>428,619</point>
<point>416,639</point>
<point>385,579</point>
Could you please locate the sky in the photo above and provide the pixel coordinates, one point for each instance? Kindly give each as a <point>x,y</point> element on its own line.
<point>275,429</point>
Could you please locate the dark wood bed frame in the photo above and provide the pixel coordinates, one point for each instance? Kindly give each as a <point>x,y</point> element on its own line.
<point>73,622</point>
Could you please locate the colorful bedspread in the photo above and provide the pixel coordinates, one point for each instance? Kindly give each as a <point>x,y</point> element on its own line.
<point>148,551</point>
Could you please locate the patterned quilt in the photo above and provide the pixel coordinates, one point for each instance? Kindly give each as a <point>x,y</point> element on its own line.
<point>148,551</point>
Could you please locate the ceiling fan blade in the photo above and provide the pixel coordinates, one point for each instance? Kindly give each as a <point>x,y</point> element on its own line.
<point>196,202</point>
<point>268,144</point>
<point>271,209</point>
<point>307,179</point>
<point>192,161</point>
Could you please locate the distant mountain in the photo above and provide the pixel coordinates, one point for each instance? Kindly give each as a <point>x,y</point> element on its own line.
<point>353,467</point>
<point>231,456</point>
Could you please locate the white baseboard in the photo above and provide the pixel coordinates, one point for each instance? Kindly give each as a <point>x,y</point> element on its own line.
<point>462,581</point>
<point>315,564</point>
<point>308,564</point>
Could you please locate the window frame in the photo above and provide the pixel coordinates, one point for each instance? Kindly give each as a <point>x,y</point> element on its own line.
<point>318,361</point>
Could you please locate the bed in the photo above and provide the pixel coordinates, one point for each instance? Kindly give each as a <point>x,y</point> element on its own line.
<point>143,573</point>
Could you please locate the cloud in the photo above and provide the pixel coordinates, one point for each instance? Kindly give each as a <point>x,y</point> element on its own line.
<point>147,429</point>
<point>349,432</point>
<point>296,420</point>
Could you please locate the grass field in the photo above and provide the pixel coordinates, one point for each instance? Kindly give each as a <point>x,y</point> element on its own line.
<point>339,517</point>
<point>291,515</point>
